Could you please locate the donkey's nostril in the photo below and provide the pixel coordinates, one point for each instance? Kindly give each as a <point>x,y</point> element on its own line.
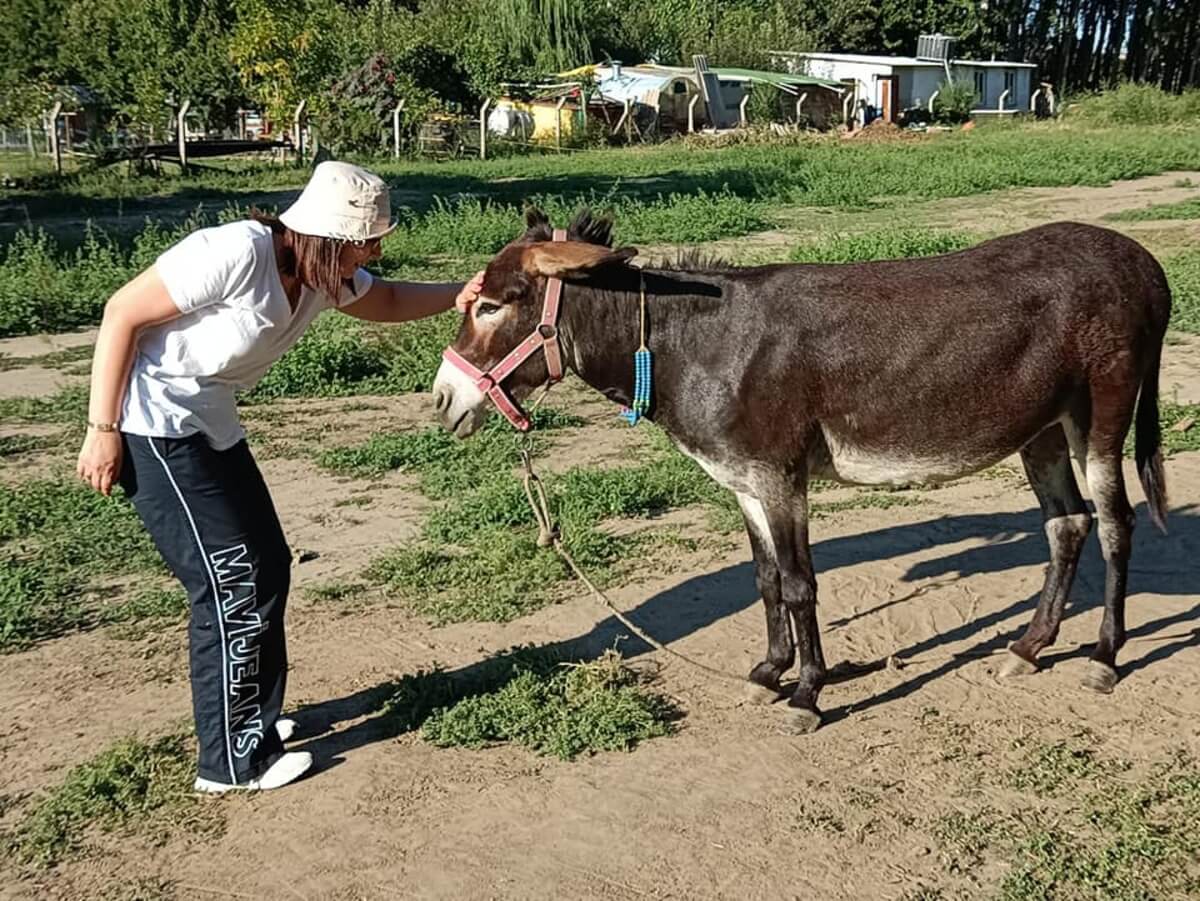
<point>441,400</point>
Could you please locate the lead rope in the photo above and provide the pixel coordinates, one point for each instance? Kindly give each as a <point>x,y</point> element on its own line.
<point>550,536</point>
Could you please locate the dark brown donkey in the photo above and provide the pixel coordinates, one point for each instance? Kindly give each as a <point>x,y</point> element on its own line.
<point>880,373</point>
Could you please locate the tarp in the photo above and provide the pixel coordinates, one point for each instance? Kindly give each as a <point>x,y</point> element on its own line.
<point>637,85</point>
<point>783,80</point>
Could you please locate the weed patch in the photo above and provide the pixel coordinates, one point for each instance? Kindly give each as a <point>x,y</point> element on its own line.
<point>446,464</point>
<point>55,537</point>
<point>886,244</point>
<point>137,786</point>
<point>16,445</point>
<point>537,699</point>
<point>1185,209</point>
<point>1180,426</point>
<point>1096,830</point>
<point>146,610</point>
<point>67,406</point>
<point>1136,104</point>
<point>1183,275</point>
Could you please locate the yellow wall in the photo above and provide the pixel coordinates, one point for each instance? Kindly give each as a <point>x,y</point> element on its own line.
<point>543,117</point>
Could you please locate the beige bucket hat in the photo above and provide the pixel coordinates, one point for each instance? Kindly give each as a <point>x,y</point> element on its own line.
<point>341,201</point>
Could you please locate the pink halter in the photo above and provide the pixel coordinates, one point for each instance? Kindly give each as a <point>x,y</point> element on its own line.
<point>544,337</point>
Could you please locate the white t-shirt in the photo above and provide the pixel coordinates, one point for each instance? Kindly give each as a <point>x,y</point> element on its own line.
<point>236,322</point>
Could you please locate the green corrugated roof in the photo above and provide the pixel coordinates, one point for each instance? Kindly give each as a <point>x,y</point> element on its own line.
<point>778,79</point>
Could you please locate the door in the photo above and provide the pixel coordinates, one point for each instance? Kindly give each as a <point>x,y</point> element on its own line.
<point>889,93</point>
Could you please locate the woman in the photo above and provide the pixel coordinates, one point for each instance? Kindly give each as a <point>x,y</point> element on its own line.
<point>175,345</point>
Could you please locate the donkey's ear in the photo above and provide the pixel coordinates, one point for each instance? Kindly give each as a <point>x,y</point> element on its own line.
<point>535,218</point>
<point>571,259</point>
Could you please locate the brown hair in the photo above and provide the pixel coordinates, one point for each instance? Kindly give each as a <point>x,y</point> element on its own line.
<point>315,261</point>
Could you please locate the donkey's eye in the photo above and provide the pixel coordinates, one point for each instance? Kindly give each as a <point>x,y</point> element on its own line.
<point>483,308</point>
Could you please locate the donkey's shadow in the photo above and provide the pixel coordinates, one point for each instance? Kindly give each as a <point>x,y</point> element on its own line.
<point>1160,565</point>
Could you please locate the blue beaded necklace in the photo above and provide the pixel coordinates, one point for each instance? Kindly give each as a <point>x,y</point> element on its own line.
<point>642,373</point>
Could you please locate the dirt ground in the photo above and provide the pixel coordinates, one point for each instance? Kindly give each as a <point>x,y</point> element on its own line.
<point>723,809</point>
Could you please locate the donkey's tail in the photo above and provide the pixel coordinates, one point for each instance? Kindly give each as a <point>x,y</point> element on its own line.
<point>1148,445</point>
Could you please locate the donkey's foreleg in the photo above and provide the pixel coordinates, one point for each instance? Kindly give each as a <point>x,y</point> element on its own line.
<point>763,687</point>
<point>786,507</point>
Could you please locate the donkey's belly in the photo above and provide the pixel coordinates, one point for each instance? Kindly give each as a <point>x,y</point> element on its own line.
<point>845,461</point>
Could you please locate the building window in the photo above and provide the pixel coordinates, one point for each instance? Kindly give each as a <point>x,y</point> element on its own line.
<point>980,85</point>
<point>1010,81</point>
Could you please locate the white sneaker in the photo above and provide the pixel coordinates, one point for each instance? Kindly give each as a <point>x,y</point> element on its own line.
<point>288,768</point>
<point>285,729</point>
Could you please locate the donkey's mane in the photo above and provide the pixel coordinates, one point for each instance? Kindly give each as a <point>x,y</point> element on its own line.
<point>691,259</point>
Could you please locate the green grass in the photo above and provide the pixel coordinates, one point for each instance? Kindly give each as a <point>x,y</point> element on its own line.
<point>144,611</point>
<point>670,194</point>
<point>17,445</point>
<point>1184,209</point>
<point>56,538</point>
<point>339,356</point>
<point>885,244</point>
<point>334,592</point>
<point>1180,424</point>
<point>479,560</point>
<point>1183,274</point>
<point>1052,769</point>
<point>134,787</point>
<point>1082,825</point>
<point>446,464</point>
<point>1130,842</point>
<point>56,359</point>
<point>1136,104</point>
<point>67,405</point>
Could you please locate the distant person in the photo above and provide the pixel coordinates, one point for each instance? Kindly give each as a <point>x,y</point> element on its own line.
<point>176,344</point>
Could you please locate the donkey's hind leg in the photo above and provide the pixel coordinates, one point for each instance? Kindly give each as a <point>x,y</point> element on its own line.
<point>1047,462</point>
<point>763,686</point>
<point>1115,518</point>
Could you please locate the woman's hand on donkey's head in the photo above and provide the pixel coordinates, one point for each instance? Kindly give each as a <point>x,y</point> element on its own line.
<point>469,294</point>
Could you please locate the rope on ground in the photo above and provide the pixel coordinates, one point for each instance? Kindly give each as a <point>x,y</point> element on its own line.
<point>549,536</point>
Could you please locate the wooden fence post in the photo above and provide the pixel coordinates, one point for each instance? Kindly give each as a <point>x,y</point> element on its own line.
<point>298,131</point>
<point>396,128</point>
<point>181,135</point>
<point>55,149</point>
<point>558,122</point>
<point>483,128</point>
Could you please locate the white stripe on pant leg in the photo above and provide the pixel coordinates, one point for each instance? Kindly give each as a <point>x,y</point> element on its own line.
<point>212,580</point>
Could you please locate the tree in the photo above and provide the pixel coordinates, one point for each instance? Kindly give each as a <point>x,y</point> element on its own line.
<point>286,51</point>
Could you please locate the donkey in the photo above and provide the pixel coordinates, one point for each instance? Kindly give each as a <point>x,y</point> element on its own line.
<point>880,373</point>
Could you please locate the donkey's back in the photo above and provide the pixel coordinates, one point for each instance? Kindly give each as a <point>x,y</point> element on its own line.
<point>929,368</point>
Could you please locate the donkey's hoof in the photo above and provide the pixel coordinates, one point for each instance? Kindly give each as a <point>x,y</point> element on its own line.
<point>1015,665</point>
<point>1100,677</point>
<point>799,721</point>
<point>759,695</point>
